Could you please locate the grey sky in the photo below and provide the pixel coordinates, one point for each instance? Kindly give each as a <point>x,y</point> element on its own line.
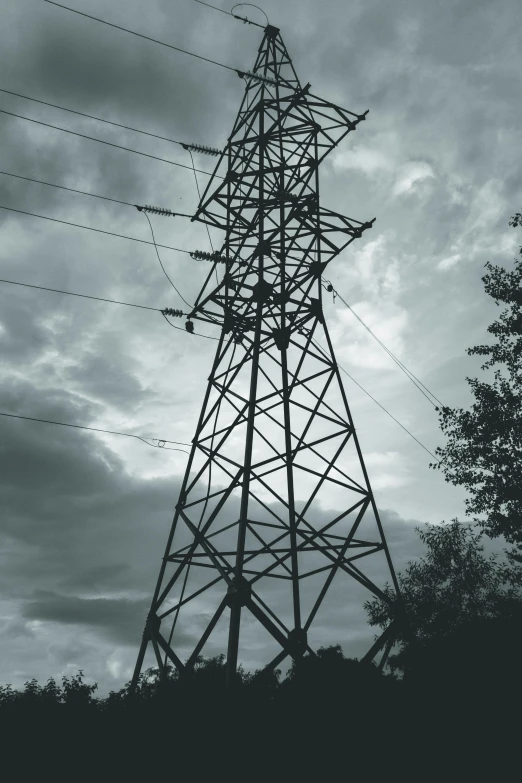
<point>84,516</point>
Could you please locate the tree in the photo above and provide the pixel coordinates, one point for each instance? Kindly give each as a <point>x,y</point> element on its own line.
<point>73,693</point>
<point>453,585</point>
<point>483,452</point>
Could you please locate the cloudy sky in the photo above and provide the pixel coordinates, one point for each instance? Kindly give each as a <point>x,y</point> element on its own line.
<point>84,516</point>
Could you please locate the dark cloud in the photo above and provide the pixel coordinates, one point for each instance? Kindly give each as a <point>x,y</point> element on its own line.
<point>109,379</point>
<point>118,619</point>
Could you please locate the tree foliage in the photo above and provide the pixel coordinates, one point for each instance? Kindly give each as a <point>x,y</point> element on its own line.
<point>454,584</point>
<point>483,452</point>
<point>73,693</point>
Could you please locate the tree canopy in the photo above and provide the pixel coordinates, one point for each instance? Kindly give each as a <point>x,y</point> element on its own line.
<point>454,584</point>
<point>483,451</point>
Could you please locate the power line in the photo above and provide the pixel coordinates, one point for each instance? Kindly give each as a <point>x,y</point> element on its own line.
<point>95,195</point>
<point>89,228</point>
<point>150,224</point>
<point>110,301</point>
<point>252,5</point>
<point>413,378</point>
<point>228,13</point>
<point>92,117</point>
<point>98,429</point>
<point>164,270</point>
<point>387,411</point>
<point>84,296</point>
<point>141,35</point>
<point>221,10</point>
<point>63,187</point>
<point>380,406</point>
<point>101,141</point>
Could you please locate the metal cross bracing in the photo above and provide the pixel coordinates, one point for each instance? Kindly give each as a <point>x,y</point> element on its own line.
<point>275,514</point>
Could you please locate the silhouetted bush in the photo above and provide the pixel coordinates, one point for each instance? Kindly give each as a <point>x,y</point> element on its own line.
<point>328,714</point>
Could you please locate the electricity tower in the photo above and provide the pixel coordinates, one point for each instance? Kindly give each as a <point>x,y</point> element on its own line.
<point>275,508</point>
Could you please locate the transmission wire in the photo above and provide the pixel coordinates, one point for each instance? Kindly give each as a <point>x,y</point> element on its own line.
<point>89,228</point>
<point>82,192</point>
<point>98,429</point>
<point>247,20</point>
<point>111,301</point>
<point>379,404</point>
<point>413,378</point>
<point>84,296</point>
<point>140,35</point>
<point>64,187</point>
<point>101,141</point>
<point>387,411</point>
<point>229,13</point>
<point>159,259</point>
<point>214,7</point>
<point>91,116</point>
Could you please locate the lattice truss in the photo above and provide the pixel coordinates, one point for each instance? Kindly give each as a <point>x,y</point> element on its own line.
<point>276,514</point>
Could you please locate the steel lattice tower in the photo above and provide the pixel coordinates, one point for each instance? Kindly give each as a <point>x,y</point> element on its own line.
<point>275,446</point>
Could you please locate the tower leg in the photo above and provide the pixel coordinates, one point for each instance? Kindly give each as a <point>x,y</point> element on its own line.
<point>233,645</point>
<point>139,662</point>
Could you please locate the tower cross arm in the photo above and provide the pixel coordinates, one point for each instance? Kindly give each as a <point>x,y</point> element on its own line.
<point>325,222</point>
<point>319,105</point>
<point>334,221</point>
<point>326,226</point>
<point>332,122</point>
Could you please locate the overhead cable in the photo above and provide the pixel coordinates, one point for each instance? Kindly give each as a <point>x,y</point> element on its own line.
<point>194,146</point>
<point>165,311</point>
<point>83,296</point>
<point>229,13</point>
<point>387,412</point>
<point>239,71</point>
<point>92,117</point>
<point>63,187</point>
<point>140,35</point>
<point>379,404</point>
<point>159,444</point>
<point>159,259</point>
<point>146,208</point>
<point>102,141</point>
<point>251,6</point>
<point>413,378</point>
<point>89,228</point>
